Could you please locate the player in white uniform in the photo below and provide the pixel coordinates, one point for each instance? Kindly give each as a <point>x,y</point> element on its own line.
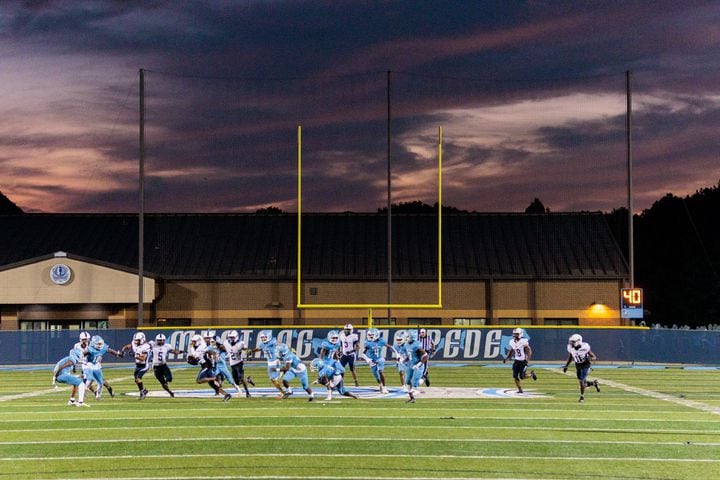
<point>580,353</point>
<point>160,352</point>
<point>349,346</point>
<point>521,351</point>
<point>141,353</point>
<point>236,351</point>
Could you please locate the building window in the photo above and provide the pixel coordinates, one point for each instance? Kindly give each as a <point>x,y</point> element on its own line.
<point>515,321</point>
<point>33,325</point>
<point>381,321</point>
<point>174,322</point>
<point>259,322</point>
<point>425,321</point>
<point>469,321</point>
<point>95,325</point>
<point>562,321</point>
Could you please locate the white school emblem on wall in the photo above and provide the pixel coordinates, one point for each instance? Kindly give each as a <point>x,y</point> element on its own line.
<point>60,274</point>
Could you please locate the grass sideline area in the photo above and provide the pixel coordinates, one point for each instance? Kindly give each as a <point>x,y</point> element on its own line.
<point>644,424</point>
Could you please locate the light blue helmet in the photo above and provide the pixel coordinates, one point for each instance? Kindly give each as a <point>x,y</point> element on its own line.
<point>411,337</point>
<point>373,334</point>
<point>400,337</point>
<point>265,336</point>
<point>333,336</point>
<point>97,342</point>
<point>317,364</point>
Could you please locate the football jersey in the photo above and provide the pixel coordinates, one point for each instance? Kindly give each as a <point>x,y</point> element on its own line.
<point>348,342</point>
<point>160,354</point>
<point>287,356</point>
<point>96,354</point>
<point>198,351</point>
<point>79,346</point>
<point>269,350</point>
<point>580,355</point>
<point>401,352</point>
<point>374,349</point>
<point>141,353</point>
<point>413,351</point>
<point>330,349</point>
<point>518,347</point>
<point>235,352</point>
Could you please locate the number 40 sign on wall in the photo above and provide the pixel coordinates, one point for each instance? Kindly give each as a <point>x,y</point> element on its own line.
<point>631,302</point>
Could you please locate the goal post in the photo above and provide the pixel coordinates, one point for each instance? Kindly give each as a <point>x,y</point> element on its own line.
<point>368,306</point>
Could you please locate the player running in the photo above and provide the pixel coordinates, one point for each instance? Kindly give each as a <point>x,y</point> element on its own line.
<point>235,349</point>
<point>374,356</point>
<point>400,354</point>
<point>415,368</point>
<point>62,373</point>
<point>160,351</point>
<point>292,367</point>
<point>330,347</point>
<point>580,353</point>
<point>521,351</point>
<point>92,369</point>
<point>268,346</point>
<point>141,353</point>
<point>349,347</point>
<point>205,355</point>
<point>330,373</point>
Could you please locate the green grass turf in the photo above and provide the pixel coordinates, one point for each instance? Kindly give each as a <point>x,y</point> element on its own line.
<point>615,434</point>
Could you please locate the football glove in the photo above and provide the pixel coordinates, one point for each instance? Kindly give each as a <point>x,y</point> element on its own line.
<point>565,369</point>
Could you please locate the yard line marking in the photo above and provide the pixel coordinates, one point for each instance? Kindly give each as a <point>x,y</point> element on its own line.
<point>37,393</point>
<point>302,477</point>
<point>660,396</point>
<point>356,455</point>
<point>369,439</point>
<point>414,427</point>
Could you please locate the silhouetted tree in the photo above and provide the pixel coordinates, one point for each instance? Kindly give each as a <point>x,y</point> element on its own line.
<point>269,211</point>
<point>537,207</point>
<point>8,206</point>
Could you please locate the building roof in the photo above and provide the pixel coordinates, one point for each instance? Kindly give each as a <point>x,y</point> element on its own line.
<point>341,246</point>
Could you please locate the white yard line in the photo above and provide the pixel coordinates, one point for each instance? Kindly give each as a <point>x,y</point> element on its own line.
<point>37,393</point>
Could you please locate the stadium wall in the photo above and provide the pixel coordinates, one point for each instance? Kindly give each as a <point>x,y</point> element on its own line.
<point>467,345</point>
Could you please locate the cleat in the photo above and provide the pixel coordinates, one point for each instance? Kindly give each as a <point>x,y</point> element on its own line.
<point>357,384</point>
<point>71,402</point>
<point>81,404</point>
<point>311,399</point>
<point>415,391</point>
<point>582,398</point>
<point>172,394</point>
<point>110,391</point>
<point>351,395</point>
<point>250,381</point>
<point>384,390</point>
<point>410,400</point>
<point>520,391</point>
<point>143,394</point>
<point>533,375</point>
<point>247,394</point>
<point>597,385</point>
<point>290,391</point>
<point>328,398</point>
<point>286,394</point>
<point>227,397</point>
<point>97,395</point>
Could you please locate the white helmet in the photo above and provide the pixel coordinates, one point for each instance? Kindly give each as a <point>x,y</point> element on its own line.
<point>208,334</point>
<point>196,339</point>
<point>373,334</point>
<point>265,336</point>
<point>518,333</point>
<point>232,336</point>
<point>139,338</point>
<point>348,327</point>
<point>575,339</point>
<point>84,336</point>
<point>160,339</point>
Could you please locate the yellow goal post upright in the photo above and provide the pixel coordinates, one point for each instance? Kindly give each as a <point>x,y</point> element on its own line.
<point>368,306</point>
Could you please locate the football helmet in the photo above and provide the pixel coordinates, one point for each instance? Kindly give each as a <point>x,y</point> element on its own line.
<point>139,338</point>
<point>411,337</point>
<point>518,333</point>
<point>575,340</point>
<point>232,336</point>
<point>348,328</point>
<point>196,339</point>
<point>400,337</point>
<point>265,336</point>
<point>84,336</point>
<point>333,337</point>
<point>208,335</point>
<point>373,334</point>
<point>97,342</point>
<point>160,339</point>
<point>317,364</point>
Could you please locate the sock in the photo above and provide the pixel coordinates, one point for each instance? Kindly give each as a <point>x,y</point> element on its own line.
<point>81,392</point>
<point>140,386</point>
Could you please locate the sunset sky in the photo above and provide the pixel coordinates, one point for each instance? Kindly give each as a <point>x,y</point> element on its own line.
<point>530,96</point>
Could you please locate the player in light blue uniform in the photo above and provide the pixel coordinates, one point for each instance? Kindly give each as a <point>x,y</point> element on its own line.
<point>207,355</point>
<point>292,367</point>
<point>415,369</point>
<point>330,347</point>
<point>268,346</point>
<point>92,369</point>
<point>401,354</point>
<point>62,373</point>
<point>222,372</point>
<point>373,355</point>
<point>330,373</point>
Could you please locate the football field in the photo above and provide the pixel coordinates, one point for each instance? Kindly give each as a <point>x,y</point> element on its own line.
<point>645,423</point>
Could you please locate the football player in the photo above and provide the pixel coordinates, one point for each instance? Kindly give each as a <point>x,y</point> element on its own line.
<point>330,373</point>
<point>62,373</point>
<point>268,346</point>
<point>160,352</point>
<point>141,352</point>
<point>207,357</point>
<point>348,350</point>
<point>330,346</point>
<point>374,356</point>
<point>521,351</point>
<point>400,354</point>
<point>415,366</point>
<point>292,367</point>
<point>92,369</point>
<point>583,356</point>
<point>235,349</point>
<point>222,372</point>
